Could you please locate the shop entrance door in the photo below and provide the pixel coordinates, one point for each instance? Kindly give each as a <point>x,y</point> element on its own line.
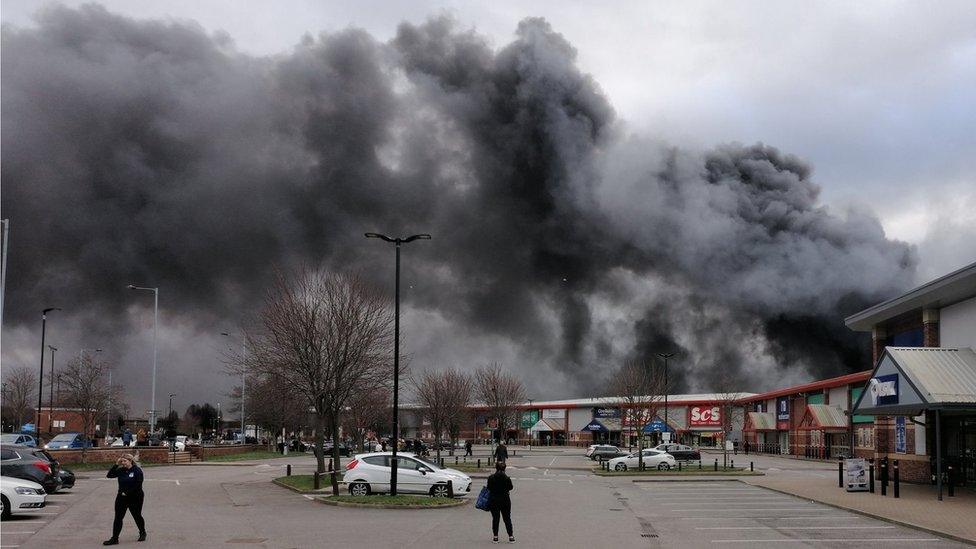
<point>784,442</point>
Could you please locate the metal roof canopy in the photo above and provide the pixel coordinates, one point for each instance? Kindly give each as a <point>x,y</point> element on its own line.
<point>760,421</point>
<point>935,378</point>
<point>941,292</point>
<point>823,417</point>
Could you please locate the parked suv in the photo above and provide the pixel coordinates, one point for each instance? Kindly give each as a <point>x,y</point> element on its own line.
<point>21,462</point>
<point>604,452</point>
<point>369,473</point>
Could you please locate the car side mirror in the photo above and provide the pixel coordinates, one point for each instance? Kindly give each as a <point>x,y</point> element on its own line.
<point>423,471</point>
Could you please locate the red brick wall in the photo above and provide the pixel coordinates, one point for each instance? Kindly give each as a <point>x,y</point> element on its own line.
<point>99,455</point>
<point>203,452</point>
<point>930,334</point>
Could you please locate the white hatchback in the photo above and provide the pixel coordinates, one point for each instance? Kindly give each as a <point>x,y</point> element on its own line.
<point>20,496</point>
<point>369,473</point>
<point>652,459</point>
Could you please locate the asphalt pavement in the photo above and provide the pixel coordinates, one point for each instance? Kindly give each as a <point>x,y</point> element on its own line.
<point>556,503</point>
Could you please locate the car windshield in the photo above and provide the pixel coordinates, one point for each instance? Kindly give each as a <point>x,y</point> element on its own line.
<point>427,463</point>
<point>66,437</point>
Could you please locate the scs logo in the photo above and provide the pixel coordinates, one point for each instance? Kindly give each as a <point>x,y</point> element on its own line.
<point>704,415</point>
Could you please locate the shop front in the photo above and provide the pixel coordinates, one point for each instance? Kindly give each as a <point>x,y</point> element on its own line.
<point>827,432</point>
<point>760,432</point>
<point>924,402</point>
<point>549,432</point>
<point>604,431</point>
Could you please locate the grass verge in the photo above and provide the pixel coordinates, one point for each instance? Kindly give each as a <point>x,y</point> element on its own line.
<point>305,483</point>
<point>395,501</point>
<point>258,454</point>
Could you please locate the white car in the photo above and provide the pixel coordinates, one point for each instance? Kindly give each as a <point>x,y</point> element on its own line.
<point>20,496</point>
<point>369,473</point>
<point>652,459</point>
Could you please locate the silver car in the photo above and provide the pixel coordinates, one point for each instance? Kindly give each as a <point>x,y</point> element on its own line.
<point>370,473</point>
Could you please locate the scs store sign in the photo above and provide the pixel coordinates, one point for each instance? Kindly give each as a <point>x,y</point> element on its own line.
<point>705,416</point>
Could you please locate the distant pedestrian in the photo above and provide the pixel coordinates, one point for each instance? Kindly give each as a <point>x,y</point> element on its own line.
<point>501,453</point>
<point>127,437</point>
<point>129,498</point>
<point>383,446</point>
<point>467,448</point>
<point>499,503</point>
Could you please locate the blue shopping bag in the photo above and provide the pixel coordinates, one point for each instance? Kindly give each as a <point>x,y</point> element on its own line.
<point>483,498</point>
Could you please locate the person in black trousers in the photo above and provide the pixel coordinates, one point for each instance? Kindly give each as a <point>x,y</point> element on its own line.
<point>499,502</point>
<point>130,496</point>
<point>501,452</point>
<point>467,448</point>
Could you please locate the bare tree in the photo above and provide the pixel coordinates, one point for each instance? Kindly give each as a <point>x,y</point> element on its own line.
<point>367,409</point>
<point>269,405</point>
<point>640,389</point>
<point>326,337</point>
<point>18,394</point>
<point>444,397</point>
<point>501,393</point>
<point>728,392</point>
<point>85,388</point>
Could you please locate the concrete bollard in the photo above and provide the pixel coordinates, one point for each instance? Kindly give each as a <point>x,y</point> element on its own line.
<point>896,478</point>
<point>716,464</point>
<point>450,489</point>
<point>950,483</point>
<point>288,470</point>
<point>750,467</point>
<point>840,474</point>
<point>884,478</point>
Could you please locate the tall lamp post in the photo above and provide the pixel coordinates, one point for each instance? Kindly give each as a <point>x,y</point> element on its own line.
<point>50,400</point>
<point>243,373</point>
<point>152,407</point>
<point>40,390</point>
<point>169,412</point>
<point>396,349</point>
<point>667,389</point>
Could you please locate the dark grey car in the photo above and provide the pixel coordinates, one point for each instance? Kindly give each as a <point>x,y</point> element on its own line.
<point>606,452</point>
<point>29,463</point>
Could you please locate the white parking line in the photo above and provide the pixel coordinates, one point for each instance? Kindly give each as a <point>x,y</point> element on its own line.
<point>821,540</point>
<point>820,517</point>
<point>796,528</point>
<point>552,462</point>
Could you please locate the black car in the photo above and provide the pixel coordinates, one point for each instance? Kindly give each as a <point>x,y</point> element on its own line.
<point>606,452</point>
<point>679,451</point>
<point>66,477</point>
<point>26,463</point>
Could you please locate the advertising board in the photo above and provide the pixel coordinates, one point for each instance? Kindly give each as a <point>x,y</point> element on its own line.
<point>901,437</point>
<point>783,413</point>
<point>855,475</point>
<point>554,413</point>
<point>704,416</point>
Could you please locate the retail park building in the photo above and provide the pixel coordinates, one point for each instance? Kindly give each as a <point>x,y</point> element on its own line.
<point>923,374</point>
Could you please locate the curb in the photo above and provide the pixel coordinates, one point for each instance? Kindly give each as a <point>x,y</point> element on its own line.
<point>326,501</point>
<point>297,491</point>
<point>890,520</point>
<point>672,479</point>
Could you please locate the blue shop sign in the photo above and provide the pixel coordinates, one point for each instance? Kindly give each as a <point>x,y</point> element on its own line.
<point>657,426</point>
<point>596,427</point>
<point>782,409</point>
<point>901,438</point>
<point>884,390</point>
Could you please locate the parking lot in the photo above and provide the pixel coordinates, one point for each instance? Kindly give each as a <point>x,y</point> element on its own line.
<point>556,503</point>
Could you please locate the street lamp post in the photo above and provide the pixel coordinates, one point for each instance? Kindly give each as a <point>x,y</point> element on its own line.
<point>152,408</point>
<point>169,412</point>
<point>667,389</point>
<point>243,374</point>
<point>50,400</point>
<point>396,350</point>
<point>40,390</point>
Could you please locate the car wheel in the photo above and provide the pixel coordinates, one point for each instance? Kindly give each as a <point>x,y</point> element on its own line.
<point>6,507</point>
<point>620,467</point>
<point>663,467</point>
<point>359,489</point>
<point>439,491</point>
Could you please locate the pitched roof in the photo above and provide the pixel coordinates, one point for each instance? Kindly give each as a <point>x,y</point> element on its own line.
<point>823,416</point>
<point>941,375</point>
<point>760,421</point>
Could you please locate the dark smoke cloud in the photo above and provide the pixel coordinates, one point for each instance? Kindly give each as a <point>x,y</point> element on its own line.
<point>151,152</point>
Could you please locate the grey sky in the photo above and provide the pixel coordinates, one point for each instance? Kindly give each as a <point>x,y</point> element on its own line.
<point>876,95</point>
<point>877,98</point>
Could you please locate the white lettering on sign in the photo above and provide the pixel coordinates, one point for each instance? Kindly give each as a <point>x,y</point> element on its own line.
<point>880,389</point>
<point>705,415</point>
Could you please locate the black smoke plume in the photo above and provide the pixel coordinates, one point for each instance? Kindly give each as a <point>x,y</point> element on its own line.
<point>151,152</point>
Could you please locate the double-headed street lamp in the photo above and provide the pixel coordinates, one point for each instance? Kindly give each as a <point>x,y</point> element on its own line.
<point>667,389</point>
<point>40,390</point>
<point>243,373</point>
<point>152,408</point>
<point>50,400</point>
<point>396,350</point>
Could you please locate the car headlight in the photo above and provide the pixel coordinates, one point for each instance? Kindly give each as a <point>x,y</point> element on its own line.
<point>27,491</point>
<point>47,446</point>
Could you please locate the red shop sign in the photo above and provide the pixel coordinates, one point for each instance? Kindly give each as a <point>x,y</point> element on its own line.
<point>704,416</point>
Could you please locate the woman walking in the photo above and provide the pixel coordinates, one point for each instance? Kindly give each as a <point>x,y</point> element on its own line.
<point>499,502</point>
<point>130,496</point>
